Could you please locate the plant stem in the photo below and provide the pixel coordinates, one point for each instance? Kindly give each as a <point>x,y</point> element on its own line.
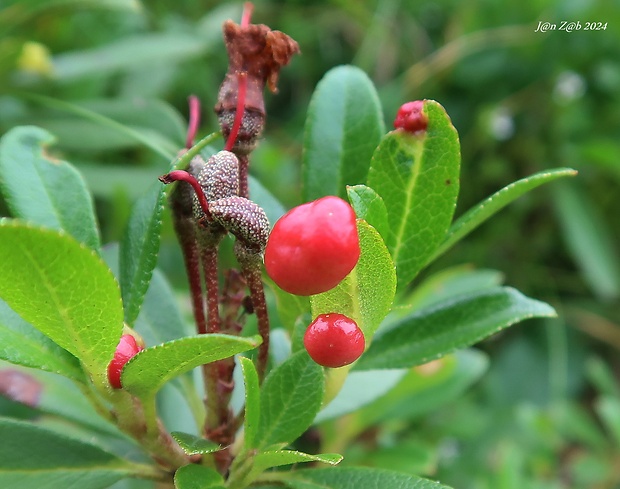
<point>244,163</point>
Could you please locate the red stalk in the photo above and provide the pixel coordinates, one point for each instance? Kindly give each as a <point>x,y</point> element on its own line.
<point>183,176</point>
<point>234,132</point>
<point>194,120</point>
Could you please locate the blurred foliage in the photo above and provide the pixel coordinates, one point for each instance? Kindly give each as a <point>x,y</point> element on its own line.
<point>545,414</point>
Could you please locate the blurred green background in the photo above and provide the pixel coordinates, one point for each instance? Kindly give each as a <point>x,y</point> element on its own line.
<point>541,407</point>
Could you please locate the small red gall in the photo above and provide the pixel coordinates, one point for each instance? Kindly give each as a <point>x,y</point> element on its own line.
<point>313,246</point>
<point>126,349</point>
<point>411,118</point>
<point>334,340</point>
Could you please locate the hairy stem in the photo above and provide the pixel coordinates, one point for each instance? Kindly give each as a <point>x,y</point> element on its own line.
<point>244,163</point>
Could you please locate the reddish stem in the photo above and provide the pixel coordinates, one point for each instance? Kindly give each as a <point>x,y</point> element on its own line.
<point>209,264</point>
<point>194,120</point>
<point>248,8</point>
<point>244,162</point>
<point>242,78</point>
<point>257,294</point>
<point>183,176</point>
<point>192,266</point>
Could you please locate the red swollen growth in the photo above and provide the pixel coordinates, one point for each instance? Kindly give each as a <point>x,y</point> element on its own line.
<point>411,117</point>
<point>334,340</point>
<point>127,349</point>
<point>313,247</point>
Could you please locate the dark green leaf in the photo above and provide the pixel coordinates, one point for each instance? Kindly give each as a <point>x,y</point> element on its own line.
<point>369,206</point>
<point>150,369</point>
<point>22,344</point>
<point>366,294</point>
<point>193,445</point>
<point>64,290</point>
<point>496,202</point>
<point>45,191</point>
<point>589,240</point>
<point>138,251</point>
<point>447,326</point>
<point>252,402</point>
<point>291,397</point>
<point>357,478</point>
<point>343,127</point>
<point>194,476</point>
<point>265,199</point>
<point>418,178</point>
<point>34,457</point>
<point>290,307</point>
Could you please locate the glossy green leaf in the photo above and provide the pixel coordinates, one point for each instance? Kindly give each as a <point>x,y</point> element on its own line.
<point>64,290</point>
<point>31,456</point>
<point>252,402</point>
<point>369,206</point>
<point>194,476</point>
<point>42,190</point>
<point>194,445</point>
<point>589,240</point>
<point>290,398</point>
<point>150,369</point>
<point>366,294</point>
<point>418,178</point>
<point>496,202</point>
<point>278,458</point>
<point>447,326</point>
<point>356,478</point>
<point>343,127</point>
<point>138,251</point>
<point>22,344</point>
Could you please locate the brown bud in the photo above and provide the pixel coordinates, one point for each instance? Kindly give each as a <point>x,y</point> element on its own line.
<point>243,218</point>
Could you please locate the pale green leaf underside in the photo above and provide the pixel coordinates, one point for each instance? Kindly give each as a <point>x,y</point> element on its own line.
<point>150,369</point>
<point>366,294</point>
<point>64,290</point>
<point>343,127</point>
<point>44,191</point>
<point>418,178</point>
<point>357,478</point>
<point>449,325</point>
<point>35,457</point>
<point>290,398</point>
<point>493,204</point>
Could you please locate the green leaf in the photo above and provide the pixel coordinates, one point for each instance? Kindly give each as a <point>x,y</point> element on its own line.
<point>278,458</point>
<point>356,478</point>
<point>447,326</point>
<point>138,251</point>
<point>366,294</point>
<point>343,127</point>
<point>451,282</point>
<point>194,445</point>
<point>45,191</point>
<point>150,369</point>
<point>608,409</point>
<point>290,398</point>
<point>194,476</point>
<point>34,457</point>
<point>369,206</point>
<point>265,199</point>
<point>359,389</point>
<point>64,290</point>
<point>289,307</point>
<point>252,402</point>
<point>493,204</point>
<point>589,240</point>
<point>160,319</point>
<point>418,178</point>
<point>22,344</point>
